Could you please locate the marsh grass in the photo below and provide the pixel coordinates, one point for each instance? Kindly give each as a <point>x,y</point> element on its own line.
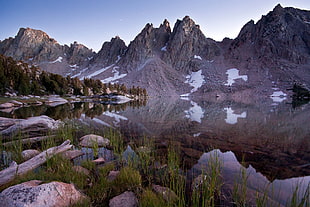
<point>174,178</point>
<point>299,198</point>
<point>151,199</point>
<point>239,194</point>
<point>116,140</point>
<point>139,173</point>
<point>207,188</point>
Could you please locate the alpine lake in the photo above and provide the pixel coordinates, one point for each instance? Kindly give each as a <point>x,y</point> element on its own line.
<point>261,150</point>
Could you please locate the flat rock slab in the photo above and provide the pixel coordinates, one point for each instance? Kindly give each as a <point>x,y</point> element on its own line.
<point>16,103</point>
<point>126,199</point>
<point>30,153</point>
<point>71,154</point>
<point>32,124</point>
<point>92,140</point>
<point>6,105</point>
<point>31,193</point>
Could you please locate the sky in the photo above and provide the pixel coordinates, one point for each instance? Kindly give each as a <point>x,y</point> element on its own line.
<point>93,22</point>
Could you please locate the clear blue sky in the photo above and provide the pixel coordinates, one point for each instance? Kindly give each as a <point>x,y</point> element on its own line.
<point>92,22</point>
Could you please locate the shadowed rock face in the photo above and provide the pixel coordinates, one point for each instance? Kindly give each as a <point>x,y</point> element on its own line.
<point>282,34</point>
<point>273,51</point>
<point>111,52</point>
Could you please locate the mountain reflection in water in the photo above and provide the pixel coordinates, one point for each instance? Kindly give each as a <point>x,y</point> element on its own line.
<point>272,141</point>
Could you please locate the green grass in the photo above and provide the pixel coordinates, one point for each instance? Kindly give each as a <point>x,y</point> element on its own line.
<point>140,173</point>
<point>151,199</point>
<point>208,189</point>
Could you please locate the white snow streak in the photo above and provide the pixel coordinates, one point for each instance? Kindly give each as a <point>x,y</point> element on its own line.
<point>80,73</point>
<point>197,57</point>
<point>115,77</point>
<point>233,74</point>
<point>231,117</point>
<point>59,59</point>
<point>99,71</point>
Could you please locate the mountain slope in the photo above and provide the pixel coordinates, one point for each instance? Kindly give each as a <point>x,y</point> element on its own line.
<point>272,53</point>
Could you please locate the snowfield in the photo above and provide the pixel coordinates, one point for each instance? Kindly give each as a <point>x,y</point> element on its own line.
<point>196,80</point>
<point>233,74</point>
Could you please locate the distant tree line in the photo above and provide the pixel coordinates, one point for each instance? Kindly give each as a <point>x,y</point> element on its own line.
<point>20,78</point>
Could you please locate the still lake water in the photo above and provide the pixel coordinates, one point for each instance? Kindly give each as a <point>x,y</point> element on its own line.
<point>270,140</point>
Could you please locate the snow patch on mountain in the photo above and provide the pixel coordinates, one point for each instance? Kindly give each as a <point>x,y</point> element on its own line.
<point>196,80</point>
<point>197,57</point>
<point>233,74</point>
<point>80,73</point>
<point>115,77</point>
<point>99,71</point>
<point>59,59</point>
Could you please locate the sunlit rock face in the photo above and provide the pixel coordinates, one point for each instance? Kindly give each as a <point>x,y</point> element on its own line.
<point>271,53</point>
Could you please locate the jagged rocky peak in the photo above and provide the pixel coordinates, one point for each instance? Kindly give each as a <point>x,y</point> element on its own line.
<point>188,41</point>
<point>78,53</point>
<point>282,33</point>
<point>149,43</point>
<point>110,52</point>
<point>31,44</point>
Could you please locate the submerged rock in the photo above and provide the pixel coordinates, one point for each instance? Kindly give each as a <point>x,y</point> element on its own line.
<point>31,193</point>
<point>32,124</point>
<point>92,140</point>
<point>126,199</point>
<point>30,153</point>
<point>71,154</point>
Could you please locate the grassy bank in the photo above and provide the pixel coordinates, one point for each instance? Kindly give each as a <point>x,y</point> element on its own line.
<point>140,168</point>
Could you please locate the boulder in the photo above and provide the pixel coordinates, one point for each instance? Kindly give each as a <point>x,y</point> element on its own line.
<point>32,124</point>
<point>81,169</point>
<point>16,103</point>
<point>167,194</point>
<point>112,175</point>
<point>6,105</point>
<point>92,140</point>
<point>99,161</point>
<point>33,193</point>
<point>30,153</point>
<point>126,199</point>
